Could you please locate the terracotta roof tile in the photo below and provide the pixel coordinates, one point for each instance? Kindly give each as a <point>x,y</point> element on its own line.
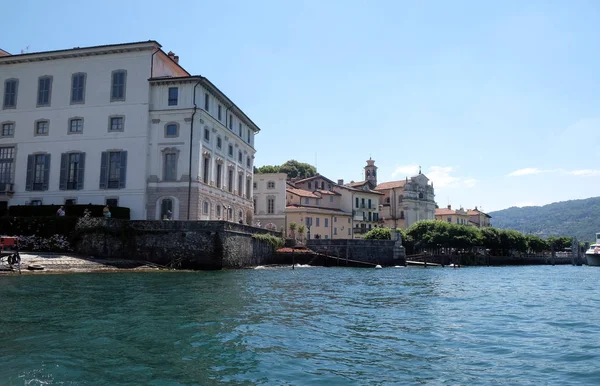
<point>390,185</point>
<point>301,192</point>
<point>444,212</point>
<point>317,209</point>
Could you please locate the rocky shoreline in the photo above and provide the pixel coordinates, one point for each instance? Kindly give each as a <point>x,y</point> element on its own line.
<point>31,262</point>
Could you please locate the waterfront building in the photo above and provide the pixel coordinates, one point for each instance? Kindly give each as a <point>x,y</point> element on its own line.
<point>403,202</point>
<point>122,125</point>
<point>270,200</point>
<point>453,216</point>
<point>479,218</point>
<point>318,209</point>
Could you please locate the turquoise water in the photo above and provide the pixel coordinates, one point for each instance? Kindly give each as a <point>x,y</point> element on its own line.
<point>309,326</point>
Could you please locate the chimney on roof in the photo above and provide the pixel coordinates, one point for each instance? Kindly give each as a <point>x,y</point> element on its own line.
<point>173,57</point>
<point>340,182</point>
<point>449,206</point>
<point>475,207</point>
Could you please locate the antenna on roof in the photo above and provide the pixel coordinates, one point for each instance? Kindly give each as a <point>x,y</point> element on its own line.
<point>25,51</point>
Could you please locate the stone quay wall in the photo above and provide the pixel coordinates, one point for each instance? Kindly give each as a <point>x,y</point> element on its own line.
<point>178,244</point>
<point>382,252</point>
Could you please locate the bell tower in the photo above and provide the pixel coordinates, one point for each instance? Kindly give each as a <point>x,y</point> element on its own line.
<point>371,172</point>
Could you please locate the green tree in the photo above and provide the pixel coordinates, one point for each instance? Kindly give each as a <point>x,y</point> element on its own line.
<point>293,227</point>
<point>268,169</point>
<point>295,169</point>
<point>378,234</point>
<point>536,244</point>
<point>559,243</point>
<point>301,230</point>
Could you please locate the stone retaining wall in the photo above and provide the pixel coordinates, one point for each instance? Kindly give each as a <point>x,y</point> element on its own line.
<point>383,252</point>
<point>180,244</point>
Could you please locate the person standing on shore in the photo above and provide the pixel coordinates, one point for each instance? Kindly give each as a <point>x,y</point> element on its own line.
<point>61,211</point>
<point>106,212</point>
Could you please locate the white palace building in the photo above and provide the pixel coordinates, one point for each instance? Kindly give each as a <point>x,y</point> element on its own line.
<point>122,125</point>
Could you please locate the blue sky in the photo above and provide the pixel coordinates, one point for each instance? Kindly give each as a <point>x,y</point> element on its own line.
<point>498,102</point>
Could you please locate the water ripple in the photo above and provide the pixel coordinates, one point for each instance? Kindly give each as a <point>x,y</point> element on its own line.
<point>320,326</point>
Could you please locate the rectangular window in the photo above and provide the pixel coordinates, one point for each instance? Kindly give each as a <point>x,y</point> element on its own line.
<point>308,221</point>
<point>307,201</point>
<point>248,161</point>
<point>249,136</point>
<point>171,130</point>
<point>70,201</point>
<point>10,93</point>
<point>219,142</point>
<point>39,171</point>
<point>334,231</point>
<point>248,189</point>
<point>173,96</point>
<point>35,203</point>
<point>240,129</point>
<point>254,205</point>
<point>270,206</point>
<point>357,202</point>
<point>230,121</point>
<point>309,185</point>
<point>7,162</point>
<point>72,171</point>
<point>116,124</point>
<point>240,157</point>
<point>206,170</point>
<point>42,127</point>
<point>206,99</point>
<point>44,91</point>
<point>330,198</point>
<point>170,167</point>
<point>78,88</point>
<point>317,220</point>
<point>113,170</point>
<point>369,203</point>
<point>219,175</point>
<point>349,230</point>
<point>240,185</point>
<point>230,180</point>
<point>8,129</point>
<point>112,202</point>
<point>118,85</point>
<point>370,216</point>
<point>76,126</point>
<point>206,135</point>
<point>326,223</point>
<point>219,112</point>
<point>230,150</point>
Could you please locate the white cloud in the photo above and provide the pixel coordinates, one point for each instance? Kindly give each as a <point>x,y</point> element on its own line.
<point>579,173</point>
<point>441,177</point>
<point>526,171</point>
<point>585,172</point>
<point>405,170</point>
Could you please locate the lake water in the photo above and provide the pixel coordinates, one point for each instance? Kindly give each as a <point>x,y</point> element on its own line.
<point>308,326</point>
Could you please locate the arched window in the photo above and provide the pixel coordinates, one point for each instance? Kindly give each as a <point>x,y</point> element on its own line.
<point>368,173</point>
<point>166,209</point>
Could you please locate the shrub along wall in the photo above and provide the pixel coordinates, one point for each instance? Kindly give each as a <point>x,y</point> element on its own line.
<point>70,210</point>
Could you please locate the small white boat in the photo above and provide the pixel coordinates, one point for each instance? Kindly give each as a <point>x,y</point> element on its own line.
<point>593,253</point>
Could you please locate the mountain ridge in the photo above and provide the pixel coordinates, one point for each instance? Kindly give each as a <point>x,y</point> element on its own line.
<point>579,218</point>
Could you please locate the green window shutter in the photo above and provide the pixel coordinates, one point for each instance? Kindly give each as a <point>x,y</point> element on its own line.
<point>46,172</point>
<point>123,170</point>
<point>81,171</point>
<point>29,180</point>
<point>64,164</point>
<point>104,170</point>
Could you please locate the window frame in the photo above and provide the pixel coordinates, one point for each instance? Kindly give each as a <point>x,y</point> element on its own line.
<point>50,81</point>
<point>206,136</point>
<point>173,101</point>
<point>170,177</point>
<point>13,129</point>
<point>5,94</point>
<point>36,126</point>
<point>219,142</point>
<point>69,131</point>
<point>110,125</point>
<point>230,150</point>
<point>166,129</point>
<point>83,88</point>
<point>112,86</point>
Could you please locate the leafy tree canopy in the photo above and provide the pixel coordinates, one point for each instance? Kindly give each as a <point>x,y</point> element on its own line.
<point>292,168</point>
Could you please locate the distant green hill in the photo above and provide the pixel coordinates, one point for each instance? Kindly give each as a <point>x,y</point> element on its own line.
<point>579,218</point>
